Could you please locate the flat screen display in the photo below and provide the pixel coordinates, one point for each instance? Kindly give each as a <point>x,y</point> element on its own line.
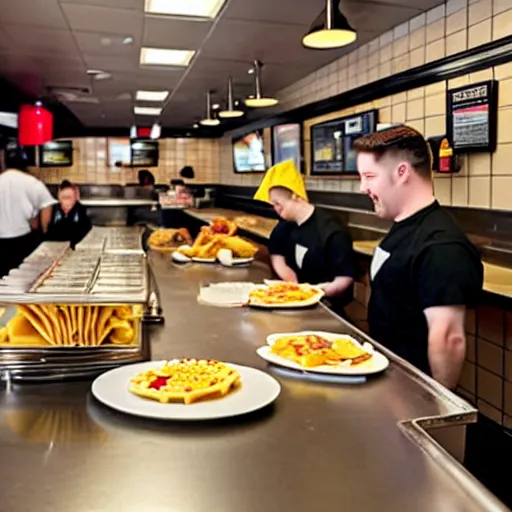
<point>287,144</point>
<point>144,153</point>
<point>249,153</point>
<point>57,153</point>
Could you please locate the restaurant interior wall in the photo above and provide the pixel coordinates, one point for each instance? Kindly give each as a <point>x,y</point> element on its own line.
<point>91,162</point>
<point>485,179</point>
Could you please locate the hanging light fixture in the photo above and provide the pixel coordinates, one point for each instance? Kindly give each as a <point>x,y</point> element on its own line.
<point>258,100</point>
<point>209,120</point>
<point>330,30</point>
<point>231,111</point>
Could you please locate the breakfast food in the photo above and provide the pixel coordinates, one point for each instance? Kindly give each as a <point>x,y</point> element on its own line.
<point>186,380</point>
<point>311,350</point>
<point>285,294</point>
<point>66,326</point>
<point>165,239</point>
<point>222,226</point>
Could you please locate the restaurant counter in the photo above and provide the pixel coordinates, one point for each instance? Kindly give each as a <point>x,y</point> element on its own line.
<point>322,446</point>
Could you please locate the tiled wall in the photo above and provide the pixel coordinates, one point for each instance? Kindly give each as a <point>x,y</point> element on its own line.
<point>90,162</point>
<point>485,180</point>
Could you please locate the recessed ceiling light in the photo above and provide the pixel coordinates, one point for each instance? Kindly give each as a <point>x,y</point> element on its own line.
<point>147,111</point>
<point>193,8</point>
<point>152,95</point>
<point>128,40</point>
<point>196,125</point>
<point>164,57</point>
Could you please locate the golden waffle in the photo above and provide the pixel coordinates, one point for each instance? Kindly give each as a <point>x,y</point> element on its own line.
<point>185,380</point>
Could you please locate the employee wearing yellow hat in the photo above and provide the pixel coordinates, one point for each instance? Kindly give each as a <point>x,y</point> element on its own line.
<point>308,245</point>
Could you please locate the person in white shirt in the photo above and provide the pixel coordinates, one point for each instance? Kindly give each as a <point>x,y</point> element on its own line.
<point>25,206</point>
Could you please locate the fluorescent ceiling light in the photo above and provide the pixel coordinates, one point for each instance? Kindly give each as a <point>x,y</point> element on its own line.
<point>192,8</point>
<point>152,95</point>
<point>147,111</point>
<point>164,57</point>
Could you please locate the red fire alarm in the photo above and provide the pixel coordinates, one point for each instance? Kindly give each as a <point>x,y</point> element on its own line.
<point>35,125</point>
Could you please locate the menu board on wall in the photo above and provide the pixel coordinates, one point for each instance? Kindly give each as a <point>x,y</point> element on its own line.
<point>144,153</point>
<point>57,153</point>
<point>473,117</point>
<point>331,143</point>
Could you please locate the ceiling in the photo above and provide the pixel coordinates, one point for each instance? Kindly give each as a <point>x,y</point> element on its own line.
<point>47,44</point>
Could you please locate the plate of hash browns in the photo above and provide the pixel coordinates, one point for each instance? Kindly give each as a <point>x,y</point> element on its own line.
<point>285,295</point>
<point>186,389</point>
<point>323,352</point>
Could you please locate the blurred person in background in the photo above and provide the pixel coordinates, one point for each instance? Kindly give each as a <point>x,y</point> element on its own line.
<point>69,220</point>
<point>25,208</point>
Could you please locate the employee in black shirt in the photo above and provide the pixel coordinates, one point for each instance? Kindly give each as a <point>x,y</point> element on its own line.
<point>308,245</point>
<point>69,221</point>
<point>425,272</point>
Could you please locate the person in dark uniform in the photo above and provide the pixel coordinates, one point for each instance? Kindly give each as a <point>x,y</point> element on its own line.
<point>69,221</point>
<point>25,208</point>
<point>309,245</point>
<point>425,273</point>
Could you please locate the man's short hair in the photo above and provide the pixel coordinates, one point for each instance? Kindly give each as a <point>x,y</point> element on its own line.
<point>284,190</point>
<point>65,184</point>
<point>399,140</point>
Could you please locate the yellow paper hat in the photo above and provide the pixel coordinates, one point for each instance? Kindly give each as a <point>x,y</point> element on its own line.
<point>284,174</point>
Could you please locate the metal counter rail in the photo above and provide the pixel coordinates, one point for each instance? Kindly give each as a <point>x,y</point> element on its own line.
<point>322,446</point>
<point>118,202</point>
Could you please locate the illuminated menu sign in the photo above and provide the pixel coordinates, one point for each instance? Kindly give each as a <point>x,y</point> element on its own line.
<point>144,153</point>
<point>472,117</point>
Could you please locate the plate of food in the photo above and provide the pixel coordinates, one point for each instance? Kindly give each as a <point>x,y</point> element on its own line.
<point>285,295</point>
<point>167,240</point>
<point>186,389</point>
<point>323,352</point>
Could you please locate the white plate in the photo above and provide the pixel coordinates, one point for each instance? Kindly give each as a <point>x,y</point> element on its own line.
<point>181,258</point>
<point>257,391</point>
<point>204,260</point>
<point>225,257</point>
<point>378,363</point>
<point>302,304</point>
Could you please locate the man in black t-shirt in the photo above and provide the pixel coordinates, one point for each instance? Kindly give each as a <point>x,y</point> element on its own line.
<point>311,246</point>
<point>425,272</point>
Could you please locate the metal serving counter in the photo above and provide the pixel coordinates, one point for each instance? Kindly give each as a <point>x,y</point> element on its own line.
<point>320,447</point>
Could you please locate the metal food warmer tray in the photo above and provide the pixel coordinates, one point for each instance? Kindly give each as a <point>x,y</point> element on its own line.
<point>109,268</point>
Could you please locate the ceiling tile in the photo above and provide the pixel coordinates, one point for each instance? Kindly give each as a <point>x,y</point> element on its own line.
<point>65,78</point>
<point>111,63</point>
<point>58,43</point>
<point>39,13</point>
<point>165,32</point>
<point>117,4</point>
<point>104,20</point>
<point>92,43</point>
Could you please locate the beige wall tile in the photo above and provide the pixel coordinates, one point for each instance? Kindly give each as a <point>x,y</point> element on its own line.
<point>435,88</point>
<point>385,69</point>
<point>415,109</point>
<point>436,30</point>
<point>503,71</point>
<point>489,388</point>
<point>435,50</point>
<point>500,6</point>
<point>458,82</point>
<point>435,105</point>
<point>468,377</point>
<point>457,21</point>
<point>480,191</point>
<point>398,98</point>
<point>502,25</point>
<point>417,57</point>
<point>460,191</point>
<point>386,53</point>
<point>490,357</point>
<point>417,38</point>
<point>435,126</point>
<point>505,92</point>
<point>501,193</point>
<point>443,191</point>
<point>400,64</point>
<point>479,164</point>
<point>398,113</point>
<point>481,76</point>
<point>457,42</point>
<point>479,11</point>
<point>502,160</point>
<point>400,46</point>
<point>414,94</point>
<point>479,34</point>
<point>505,125</point>
<point>418,124</point>
<point>489,411</point>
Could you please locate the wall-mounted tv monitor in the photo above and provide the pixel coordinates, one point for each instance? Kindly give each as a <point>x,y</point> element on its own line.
<point>331,143</point>
<point>144,153</point>
<point>249,153</point>
<point>287,144</point>
<point>57,153</point>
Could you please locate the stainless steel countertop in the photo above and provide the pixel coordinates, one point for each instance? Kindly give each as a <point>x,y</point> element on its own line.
<point>321,447</point>
<point>118,202</point>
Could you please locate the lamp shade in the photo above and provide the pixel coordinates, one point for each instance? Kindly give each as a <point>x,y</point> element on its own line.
<point>35,125</point>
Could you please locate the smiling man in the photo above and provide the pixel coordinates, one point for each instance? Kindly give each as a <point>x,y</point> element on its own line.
<point>425,272</point>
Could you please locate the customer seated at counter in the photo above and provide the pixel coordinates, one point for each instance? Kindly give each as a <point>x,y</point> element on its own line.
<point>69,221</point>
<point>308,245</point>
<point>425,273</point>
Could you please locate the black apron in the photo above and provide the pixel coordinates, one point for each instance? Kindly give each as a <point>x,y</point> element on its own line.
<point>14,250</point>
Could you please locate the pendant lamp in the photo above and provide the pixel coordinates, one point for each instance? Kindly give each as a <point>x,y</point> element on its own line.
<point>258,100</point>
<point>209,120</point>
<point>231,111</point>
